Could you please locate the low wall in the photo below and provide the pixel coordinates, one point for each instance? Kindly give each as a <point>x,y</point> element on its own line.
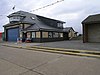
<point>46,39</point>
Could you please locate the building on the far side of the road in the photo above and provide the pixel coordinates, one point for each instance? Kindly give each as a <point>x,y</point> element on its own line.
<point>71,32</point>
<point>33,27</point>
<point>0,36</point>
<point>91,29</point>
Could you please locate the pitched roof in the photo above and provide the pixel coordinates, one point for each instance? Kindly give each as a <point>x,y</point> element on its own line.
<point>36,21</point>
<point>67,29</point>
<point>16,23</point>
<point>92,19</point>
<point>30,15</point>
<point>42,17</point>
<point>36,27</point>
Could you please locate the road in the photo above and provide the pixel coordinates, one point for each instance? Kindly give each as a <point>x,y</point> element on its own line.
<point>15,61</point>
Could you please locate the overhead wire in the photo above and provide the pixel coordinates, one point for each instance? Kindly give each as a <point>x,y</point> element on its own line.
<point>46,6</point>
<point>41,7</point>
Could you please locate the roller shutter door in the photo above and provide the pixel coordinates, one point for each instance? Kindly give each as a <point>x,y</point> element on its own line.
<point>94,33</point>
<point>13,34</point>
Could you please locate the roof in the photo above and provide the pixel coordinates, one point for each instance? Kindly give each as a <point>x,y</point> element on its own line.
<point>92,19</point>
<point>19,13</point>
<point>50,19</point>
<point>15,23</point>
<point>67,29</point>
<point>28,15</point>
<point>36,21</point>
<point>36,27</point>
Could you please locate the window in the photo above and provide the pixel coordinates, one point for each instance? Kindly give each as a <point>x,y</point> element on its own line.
<point>50,34</point>
<point>60,24</point>
<point>21,34</point>
<point>61,34</point>
<point>28,34</point>
<point>45,34</point>
<point>14,18</point>
<point>55,34</point>
<point>32,18</point>
<point>37,34</point>
<point>33,35</point>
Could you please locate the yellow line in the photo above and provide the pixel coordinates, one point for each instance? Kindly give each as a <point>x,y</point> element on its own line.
<point>67,49</point>
<point>70,53</point>
<point>56,51</point>
<point>59,49</point>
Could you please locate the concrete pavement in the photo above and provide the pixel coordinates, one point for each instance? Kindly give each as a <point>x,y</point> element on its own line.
<point>73,44</point>
<point>15,61</point>
<point>69,44</point>
<point>68,51</point>
<point>7,68</point>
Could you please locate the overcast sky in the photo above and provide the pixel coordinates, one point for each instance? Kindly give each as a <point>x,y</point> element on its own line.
<point>73,12</point>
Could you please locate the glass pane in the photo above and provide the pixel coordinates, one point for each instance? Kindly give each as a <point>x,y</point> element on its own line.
<point>45,34</point>
<point>55,34</point>
<point>33,34</point>
<point>37,34</point>
<point>50,34</point>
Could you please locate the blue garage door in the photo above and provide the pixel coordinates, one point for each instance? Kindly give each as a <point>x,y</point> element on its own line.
<point>13,34</point>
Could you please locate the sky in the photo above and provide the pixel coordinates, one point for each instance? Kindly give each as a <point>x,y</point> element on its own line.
<point>73,12</point>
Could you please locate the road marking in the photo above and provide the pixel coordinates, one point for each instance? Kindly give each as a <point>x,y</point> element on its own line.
<point>60,51</point>
<point>70,50</point>
<point>68,53</point>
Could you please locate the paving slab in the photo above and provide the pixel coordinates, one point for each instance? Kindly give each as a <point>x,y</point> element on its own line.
<point>73,44</point>
<point>26,58</point>
<point>43,63</point>
<point>7,68</point>
<point>31,73</point>
<point>69,44</point>
<point>69,65</point>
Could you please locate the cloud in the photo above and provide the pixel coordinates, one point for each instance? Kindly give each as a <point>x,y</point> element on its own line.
<point>73,12</point>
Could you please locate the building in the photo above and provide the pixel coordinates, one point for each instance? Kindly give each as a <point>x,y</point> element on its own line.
<point>0,36</point>
<point>71,32</point>
<point>91,28</point>
<point>28,26</point>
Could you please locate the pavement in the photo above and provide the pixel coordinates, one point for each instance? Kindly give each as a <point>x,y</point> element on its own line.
<point>69,44</point>
<point>15,61</point>
<point>73,44</point>
<point>73,47</point>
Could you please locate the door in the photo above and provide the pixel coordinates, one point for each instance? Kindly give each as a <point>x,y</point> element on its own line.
<point>94,33</point>
<point>13,34</point>
<point>65,36</point>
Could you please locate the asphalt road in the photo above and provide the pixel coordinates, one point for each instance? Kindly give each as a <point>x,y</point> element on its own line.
<point>15,61</point>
